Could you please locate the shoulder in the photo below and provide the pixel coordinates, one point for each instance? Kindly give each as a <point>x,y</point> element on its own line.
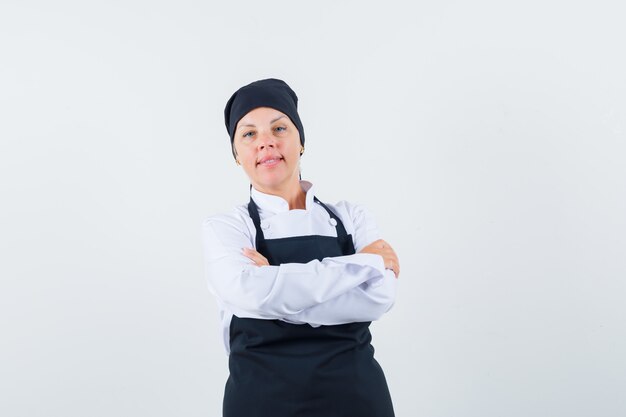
<point>358,221</point>
<point>233,224</point>
<point>352,212</point>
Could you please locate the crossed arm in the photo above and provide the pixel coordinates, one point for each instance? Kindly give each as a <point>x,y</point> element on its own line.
<point>335,290</point>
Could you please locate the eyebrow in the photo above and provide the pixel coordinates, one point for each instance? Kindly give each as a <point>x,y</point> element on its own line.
<point>251,125</point>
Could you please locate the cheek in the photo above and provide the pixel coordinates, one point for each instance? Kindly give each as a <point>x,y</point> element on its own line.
<point>293,147</point>
<point>242,153</point>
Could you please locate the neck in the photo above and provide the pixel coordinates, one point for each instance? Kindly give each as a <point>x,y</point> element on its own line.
<point>293,194</point>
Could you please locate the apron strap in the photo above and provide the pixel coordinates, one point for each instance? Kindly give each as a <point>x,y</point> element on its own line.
<point>341,230</point>
<point>253,211</point>
<point>254,215</point>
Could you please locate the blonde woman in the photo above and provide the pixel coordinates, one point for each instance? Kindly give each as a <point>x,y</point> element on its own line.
<point>297,281</point>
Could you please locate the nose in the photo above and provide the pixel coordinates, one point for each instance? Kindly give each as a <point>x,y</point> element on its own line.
<point>266,139</point>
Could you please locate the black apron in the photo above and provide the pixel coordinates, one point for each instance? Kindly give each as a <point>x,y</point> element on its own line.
<point>279,369</point>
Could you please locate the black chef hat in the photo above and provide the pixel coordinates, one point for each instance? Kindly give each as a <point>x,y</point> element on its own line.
<point>270,92</point>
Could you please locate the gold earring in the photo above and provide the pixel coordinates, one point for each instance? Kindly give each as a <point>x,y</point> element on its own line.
<point>302,150</point>
<point>237,161</point>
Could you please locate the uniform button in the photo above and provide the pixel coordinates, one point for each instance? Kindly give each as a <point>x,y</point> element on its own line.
<point>265,225</point>
<point>333,221</point>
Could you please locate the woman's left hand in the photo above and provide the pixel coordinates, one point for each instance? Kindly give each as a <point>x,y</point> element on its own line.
<point>258,259</point>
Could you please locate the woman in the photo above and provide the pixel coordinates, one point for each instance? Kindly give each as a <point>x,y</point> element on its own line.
<point>297,281</point>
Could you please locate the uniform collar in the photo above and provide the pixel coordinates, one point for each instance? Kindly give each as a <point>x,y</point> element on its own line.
<point>275,204</point>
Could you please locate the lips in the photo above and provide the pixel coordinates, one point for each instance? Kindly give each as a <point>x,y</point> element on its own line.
<point>270,160</point>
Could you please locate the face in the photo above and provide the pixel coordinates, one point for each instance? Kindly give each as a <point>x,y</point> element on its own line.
<point>267,145</point>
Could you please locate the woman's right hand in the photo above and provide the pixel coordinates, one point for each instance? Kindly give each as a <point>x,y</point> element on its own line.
<point>384,249</point>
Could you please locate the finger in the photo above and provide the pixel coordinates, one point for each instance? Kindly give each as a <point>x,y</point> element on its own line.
<point>262,260</point>
<point>248,252</point>
<point>259,262</point>
<point>397,262</point>
<point>258,259</point>
<point>397,266</point>
<point>396,269</point>
<point>251,253</point>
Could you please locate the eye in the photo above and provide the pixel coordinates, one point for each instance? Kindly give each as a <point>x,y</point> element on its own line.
<point>281,128</point>
<point>248,134</point>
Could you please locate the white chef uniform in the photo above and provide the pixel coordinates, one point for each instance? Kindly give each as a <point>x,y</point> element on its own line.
<point>336,290</point>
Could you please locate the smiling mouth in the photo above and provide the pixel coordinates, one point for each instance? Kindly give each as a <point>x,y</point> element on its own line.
<point>270,162</point>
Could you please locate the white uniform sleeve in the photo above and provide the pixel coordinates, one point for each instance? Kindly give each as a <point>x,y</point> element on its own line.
<point>366,302</point>
<point>363,303</point>
<point>271,292</point>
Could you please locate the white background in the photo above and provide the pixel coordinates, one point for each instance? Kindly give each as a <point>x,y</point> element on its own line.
<point>488,138</point>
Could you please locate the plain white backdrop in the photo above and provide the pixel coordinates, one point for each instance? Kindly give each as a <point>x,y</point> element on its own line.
<point>488,138</point>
